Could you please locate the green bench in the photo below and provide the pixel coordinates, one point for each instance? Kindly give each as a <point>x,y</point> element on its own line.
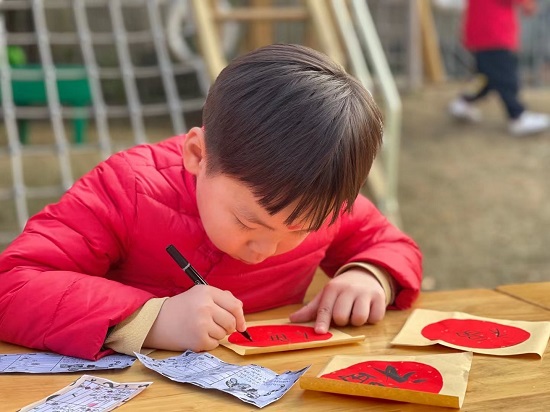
<point>29,89</point>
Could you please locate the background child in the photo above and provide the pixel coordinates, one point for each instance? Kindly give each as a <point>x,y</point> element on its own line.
<point>257,200</point>
<point>491,33</point>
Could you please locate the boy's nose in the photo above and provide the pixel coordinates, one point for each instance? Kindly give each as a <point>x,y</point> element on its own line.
<point>263,249</point>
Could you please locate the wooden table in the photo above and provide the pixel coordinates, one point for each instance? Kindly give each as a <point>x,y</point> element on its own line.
<point>519,383</point>
<point>534,293</point>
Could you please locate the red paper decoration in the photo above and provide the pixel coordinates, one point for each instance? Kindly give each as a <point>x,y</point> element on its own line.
<point>275,335</point>
<point>472,333</point>
<point>414,376</point>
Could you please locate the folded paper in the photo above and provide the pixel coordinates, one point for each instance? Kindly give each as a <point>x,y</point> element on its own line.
<point>280,335</point>
<point>473,333</point>
<point>438,380</point>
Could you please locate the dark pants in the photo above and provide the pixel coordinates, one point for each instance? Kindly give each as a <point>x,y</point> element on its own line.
<point>500,67</point>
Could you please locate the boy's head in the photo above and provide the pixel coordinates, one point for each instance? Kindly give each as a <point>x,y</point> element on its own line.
<point>295,128</point>
<point>288,140</point>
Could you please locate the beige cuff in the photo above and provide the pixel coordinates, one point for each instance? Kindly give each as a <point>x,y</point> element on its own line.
<point>128,336</point>
<point>383,277</point>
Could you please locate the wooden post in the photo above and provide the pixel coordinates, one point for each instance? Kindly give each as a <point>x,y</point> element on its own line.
<point>260,31</point>
<point>208,38</point>
<point>433,63</point>
<point>326,31</point>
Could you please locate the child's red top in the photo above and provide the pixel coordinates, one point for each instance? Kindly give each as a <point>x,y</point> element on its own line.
<point>491,24</point>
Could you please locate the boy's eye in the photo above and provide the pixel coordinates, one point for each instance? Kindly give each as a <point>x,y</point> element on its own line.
<point>241,224</point>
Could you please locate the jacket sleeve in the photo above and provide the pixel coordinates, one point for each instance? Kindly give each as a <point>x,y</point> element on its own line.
<point>365,235</point>
<point>54,294</point>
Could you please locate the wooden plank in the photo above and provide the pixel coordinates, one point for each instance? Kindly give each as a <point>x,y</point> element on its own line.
<point>208,38</point>
<point>433,62</point>
<point>534,293</point>
<point>260,28</point>
<point>325,29</point>
<point>262,13</point>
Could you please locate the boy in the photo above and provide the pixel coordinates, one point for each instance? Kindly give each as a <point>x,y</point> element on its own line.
<point>265,193</point>
<point>491,33</point>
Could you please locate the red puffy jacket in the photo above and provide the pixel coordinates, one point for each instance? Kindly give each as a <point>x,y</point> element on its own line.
<point>491,25</point>
<point>87,262</point>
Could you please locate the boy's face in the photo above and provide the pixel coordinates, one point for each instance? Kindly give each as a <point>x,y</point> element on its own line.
<point>238,225</point>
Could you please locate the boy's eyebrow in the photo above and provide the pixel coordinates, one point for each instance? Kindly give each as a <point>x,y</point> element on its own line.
<point>252,218</point>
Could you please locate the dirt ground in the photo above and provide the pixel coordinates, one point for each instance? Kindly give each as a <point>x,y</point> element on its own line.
<point>475,199</point>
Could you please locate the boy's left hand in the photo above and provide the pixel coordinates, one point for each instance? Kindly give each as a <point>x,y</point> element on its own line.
<point>354,297</point>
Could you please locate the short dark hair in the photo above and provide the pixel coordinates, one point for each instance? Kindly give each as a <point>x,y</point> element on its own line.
<point>295,128</point>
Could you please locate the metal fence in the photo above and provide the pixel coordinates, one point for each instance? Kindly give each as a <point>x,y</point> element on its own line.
<point>91,77</point>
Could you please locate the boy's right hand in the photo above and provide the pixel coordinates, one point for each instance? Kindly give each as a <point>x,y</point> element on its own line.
<point>196,319</point>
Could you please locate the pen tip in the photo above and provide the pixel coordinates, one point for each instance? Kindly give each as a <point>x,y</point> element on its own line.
<point>247,335</point>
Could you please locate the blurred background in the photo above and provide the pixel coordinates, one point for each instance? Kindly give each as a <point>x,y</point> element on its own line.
<point>82,79</point>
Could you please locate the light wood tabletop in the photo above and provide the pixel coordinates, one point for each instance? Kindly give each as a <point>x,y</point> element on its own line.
<point>536,293</point>
<point>519,383</point>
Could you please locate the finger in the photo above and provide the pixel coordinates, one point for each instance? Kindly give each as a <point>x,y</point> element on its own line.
<point>225,320</point>
<point>203,340</point>
<point>307,312</point>
<point>207,343</point>
<point>361,311</point>
<point>216,332</point>
<point>324,310</point>
<point>234,306</point>
<point>377,310</point>
<point>341,312</point>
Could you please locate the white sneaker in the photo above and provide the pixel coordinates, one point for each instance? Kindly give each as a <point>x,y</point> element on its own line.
<point>460,109</point>
<point>529,123</point>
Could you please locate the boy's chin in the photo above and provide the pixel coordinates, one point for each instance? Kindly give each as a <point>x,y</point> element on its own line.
<point>247,262</point>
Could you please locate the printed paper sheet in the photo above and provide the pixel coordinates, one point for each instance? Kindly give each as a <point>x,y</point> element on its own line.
<point>251,383</point>
<point>88,394</point>
<point>54,363</point>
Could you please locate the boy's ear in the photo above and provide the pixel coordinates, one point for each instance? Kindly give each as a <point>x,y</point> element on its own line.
<point>194,151</point>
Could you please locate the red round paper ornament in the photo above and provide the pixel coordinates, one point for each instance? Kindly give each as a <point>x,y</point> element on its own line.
<point>473,333</point>
<point>276,335</point>
<point>410,375</point>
